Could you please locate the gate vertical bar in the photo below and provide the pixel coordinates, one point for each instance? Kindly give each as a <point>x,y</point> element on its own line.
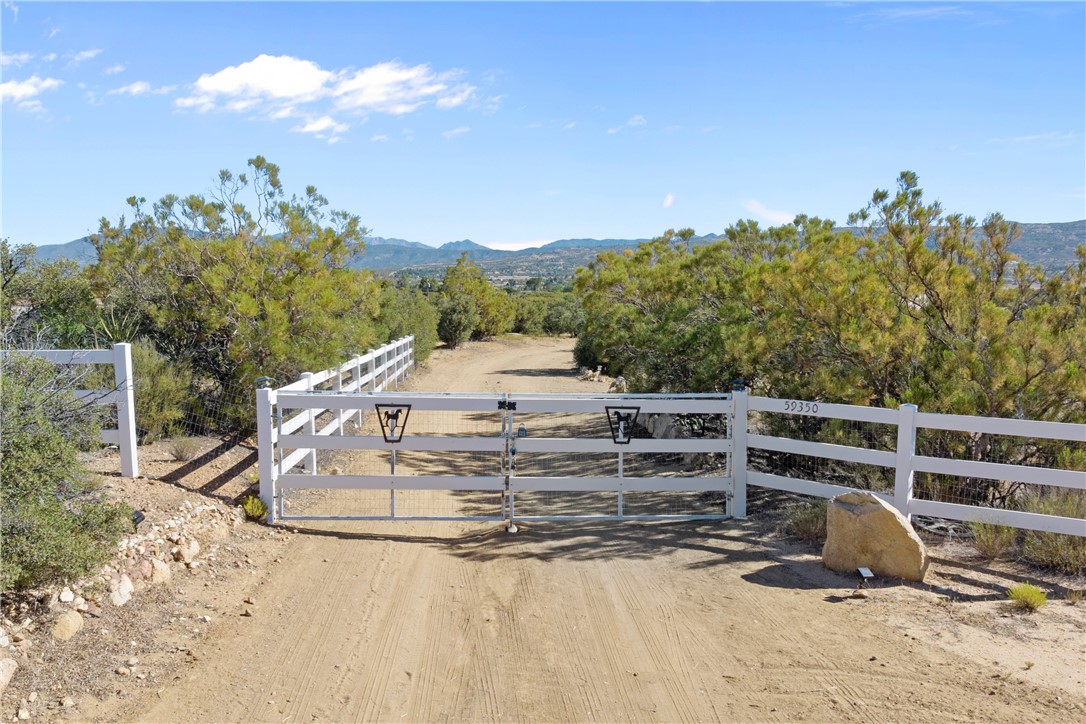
<point>739,451</point>
<point>265,398</point>
<point>310,464</point>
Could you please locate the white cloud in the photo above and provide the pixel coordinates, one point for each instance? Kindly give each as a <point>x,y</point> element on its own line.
<point>378,138</point>
<point>325,128</point>
<point>115,69</point>
<point>673,128</point>
<point>397,89</point>
<point>634,122</point>
<point>493,104</point>
<point>264,79</point>
<point>761,210</point>
<point>669,200</point>
<point>569,126</point>
<point>139,88</point>
<point>75,59</point>
<point>278,87</point>
<point>24,93</point>
<point>10,5</point>
<point>456,132</point>
<point>16,59</point>
<point>49,57</point>
<point>710,129</point>
<point>322,125</point>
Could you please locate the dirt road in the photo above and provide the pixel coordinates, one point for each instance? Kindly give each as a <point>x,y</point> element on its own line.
<point>420,622</point>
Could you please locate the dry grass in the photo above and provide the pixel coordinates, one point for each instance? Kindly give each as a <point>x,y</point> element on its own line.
<point>183,449</point>
<point>1027,597</point>
<point>993,541</point>
<point>807,521</point>
<point>1063,553</point>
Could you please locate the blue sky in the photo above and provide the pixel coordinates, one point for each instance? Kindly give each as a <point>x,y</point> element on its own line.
<point>516,124</point>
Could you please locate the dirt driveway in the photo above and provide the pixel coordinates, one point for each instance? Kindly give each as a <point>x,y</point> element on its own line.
<point>420,622</point>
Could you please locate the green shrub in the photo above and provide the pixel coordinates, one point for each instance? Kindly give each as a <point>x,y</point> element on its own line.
<point>993,541</point>
<point>1064,553</point>
<point>1027,597</point>
<point>807,521</point>
<point>459,316</point>
<point>53,522</point>
<point>254,508</point>
<point>163,388</point>
<point>183,449</point>
<point>408,312</point>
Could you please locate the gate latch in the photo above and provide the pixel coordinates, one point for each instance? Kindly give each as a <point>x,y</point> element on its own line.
<point>506,405</point>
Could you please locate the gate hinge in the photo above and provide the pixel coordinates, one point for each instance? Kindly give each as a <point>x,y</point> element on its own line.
<point>506,405</point>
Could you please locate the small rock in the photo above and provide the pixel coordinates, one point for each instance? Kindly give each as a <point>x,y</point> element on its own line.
<point>94,609</point>
<point>18,638</point>
<point>249,600</point>
<point>67,626</point>
<point>66,596</point>
<point>874,658</point>
<point>160,571</point>
<point>859,594</point>
<point>123,592</point>
<point>67,702</point>
<point>246,612</point>
<point>122,671</point>
<point>33,697</point>
<point>5,641</point>
<point>146,569</point>
<point>132,661</point>
<point>187,550</point>
<point>7,670</point>
<point>24,714</point>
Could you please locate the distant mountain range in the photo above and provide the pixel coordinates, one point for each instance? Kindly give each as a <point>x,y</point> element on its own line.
<point>1052,245</point>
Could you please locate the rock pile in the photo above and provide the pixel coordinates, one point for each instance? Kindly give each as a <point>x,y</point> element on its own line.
<point>147,558</point>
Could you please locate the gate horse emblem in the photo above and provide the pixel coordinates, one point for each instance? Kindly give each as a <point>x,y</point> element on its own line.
<point>621,420</point>
<point>392,426</point>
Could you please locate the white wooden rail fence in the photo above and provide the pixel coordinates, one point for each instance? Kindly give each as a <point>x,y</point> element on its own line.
<point>374,371</point>
<point>906,463</point>
<point>122,395</point>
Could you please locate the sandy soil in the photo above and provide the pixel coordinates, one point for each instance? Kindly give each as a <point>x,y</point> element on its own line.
<point>605,621</point>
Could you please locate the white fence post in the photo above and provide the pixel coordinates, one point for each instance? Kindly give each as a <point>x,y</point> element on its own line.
<point>373,369</point>
<point>337,386</point>
<point>739,453</point>
<point>411,352</point>
<point>310,464</point>
<point>906,449</point>
<point>126,409</point>
<point>357,386</point>
<point>265,398</point>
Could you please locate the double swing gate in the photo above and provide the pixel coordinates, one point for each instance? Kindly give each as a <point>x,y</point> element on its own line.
<point>499,457</point>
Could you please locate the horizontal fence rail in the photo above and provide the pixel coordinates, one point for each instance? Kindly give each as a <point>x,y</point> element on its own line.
<point>122,395</point>
<point>905,463</point>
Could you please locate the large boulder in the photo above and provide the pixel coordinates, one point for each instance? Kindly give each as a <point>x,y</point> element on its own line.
<point>864,530</point>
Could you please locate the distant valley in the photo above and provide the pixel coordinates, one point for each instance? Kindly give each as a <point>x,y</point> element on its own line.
<point>1051,245</point>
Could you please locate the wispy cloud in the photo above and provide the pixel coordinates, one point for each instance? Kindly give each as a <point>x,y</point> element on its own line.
<point>1051,137</point>
<point>672,128</point>
<point>10,5</point>
<point>634,122</point>
<point>115,69</point>
<point>49,57</point>
<point>325,127</point>
<point>913,11</point>
<point>75,59</point>
<point>140,88</point>
<point>762,211</point>
<point>569,126</point>
<point>379,138</point>
<point>24,94</point>
<point>16,59</point>
<point>669,200</point>
<point>456,132</point>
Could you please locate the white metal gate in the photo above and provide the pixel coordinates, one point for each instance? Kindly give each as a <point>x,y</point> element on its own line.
<point>426,456</point>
